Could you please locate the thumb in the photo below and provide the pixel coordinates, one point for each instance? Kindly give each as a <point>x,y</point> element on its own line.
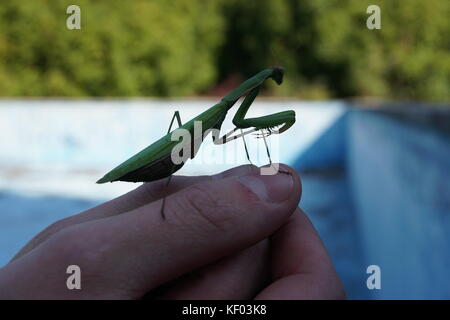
<point>204,222</point>
<point>213,219</point>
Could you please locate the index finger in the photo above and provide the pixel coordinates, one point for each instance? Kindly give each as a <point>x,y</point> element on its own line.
<point>156,190</point>
<point>144,194</point>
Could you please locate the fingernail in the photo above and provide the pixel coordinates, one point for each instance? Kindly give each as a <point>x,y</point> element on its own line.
<point>276,188</point>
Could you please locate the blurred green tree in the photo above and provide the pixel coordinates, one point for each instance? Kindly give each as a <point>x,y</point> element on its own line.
<point>124,48</point>
<point>185,47</point>
<point>329,51</point>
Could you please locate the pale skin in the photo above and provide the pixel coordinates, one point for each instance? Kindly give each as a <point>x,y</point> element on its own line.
<point>236,235</point>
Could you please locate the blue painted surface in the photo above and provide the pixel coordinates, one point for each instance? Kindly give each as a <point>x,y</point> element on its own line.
<point>327,201</point>
<point>397,199</point>
<point>328,150</point>
<point>24,216</point>
<point>400,179</point>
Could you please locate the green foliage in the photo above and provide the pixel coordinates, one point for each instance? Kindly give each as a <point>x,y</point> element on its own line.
<point>124,48</point>
<point>185,47</point>
<point>327,48</point>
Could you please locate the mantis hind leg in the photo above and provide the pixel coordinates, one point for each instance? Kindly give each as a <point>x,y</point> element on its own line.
<point>176,115</point>
<point>245,146</point>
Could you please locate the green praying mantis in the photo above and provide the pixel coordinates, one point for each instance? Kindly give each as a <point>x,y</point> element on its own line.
<point>159,160</point>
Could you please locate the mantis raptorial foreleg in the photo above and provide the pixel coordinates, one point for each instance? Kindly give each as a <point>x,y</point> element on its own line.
<point>268,122</point>
<point>177,116</point>
<point>284,119</point>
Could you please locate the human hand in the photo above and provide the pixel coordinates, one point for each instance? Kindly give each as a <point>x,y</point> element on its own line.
<point>236,235</point>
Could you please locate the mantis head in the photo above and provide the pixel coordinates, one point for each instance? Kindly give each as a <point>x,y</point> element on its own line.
<point>277,74</point>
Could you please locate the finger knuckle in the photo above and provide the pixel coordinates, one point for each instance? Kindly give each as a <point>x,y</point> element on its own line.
<point>200,207</point>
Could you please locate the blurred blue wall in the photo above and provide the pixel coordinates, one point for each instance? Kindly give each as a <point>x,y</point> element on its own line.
<point>396,199</point>
<point>399,173</point>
